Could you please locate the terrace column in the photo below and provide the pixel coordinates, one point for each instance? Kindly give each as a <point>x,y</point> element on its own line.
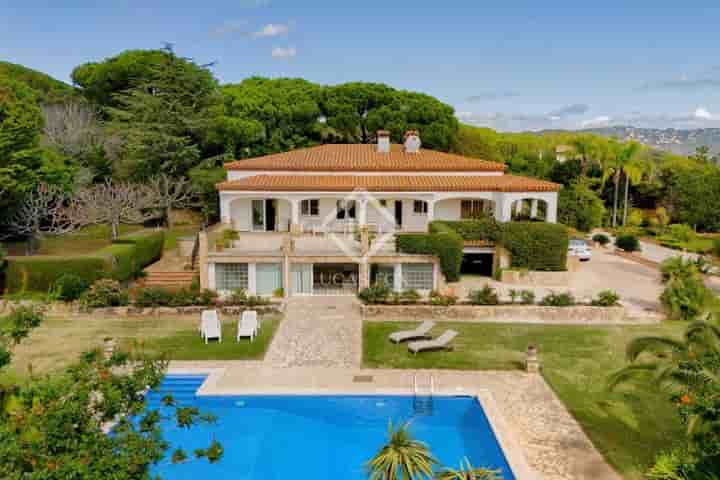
<point>504,212</point>
<point>519,207</point>
<point>533,208</point>
<point>431,210</point>
<point>397,277</point>
<point>552,209</point>
<point>362,214</point>
<point>295,216</point>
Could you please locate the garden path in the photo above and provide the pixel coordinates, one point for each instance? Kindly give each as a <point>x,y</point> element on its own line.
<point>318,332</point>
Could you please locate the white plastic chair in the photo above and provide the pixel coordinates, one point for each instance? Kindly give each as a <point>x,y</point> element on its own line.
<point>247,327</point>
<point>210,326</point>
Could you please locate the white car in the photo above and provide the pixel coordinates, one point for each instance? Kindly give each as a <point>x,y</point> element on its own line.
<point>579,248</point>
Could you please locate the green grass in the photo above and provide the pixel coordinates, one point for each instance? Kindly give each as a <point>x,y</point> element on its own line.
<point>187,345</point>
<point>697,245</point>
<point>172,235</point>
<point>629,426</point>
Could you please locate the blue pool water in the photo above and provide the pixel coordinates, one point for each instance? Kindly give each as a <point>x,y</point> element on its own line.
<point>278,437</point>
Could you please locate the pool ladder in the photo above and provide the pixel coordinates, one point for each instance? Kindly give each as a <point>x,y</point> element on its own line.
<point>423,402</point>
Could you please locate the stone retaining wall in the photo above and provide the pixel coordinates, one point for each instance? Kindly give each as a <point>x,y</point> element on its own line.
<point>581,314</point>
<point>545,279</point>
<point>130,311</point>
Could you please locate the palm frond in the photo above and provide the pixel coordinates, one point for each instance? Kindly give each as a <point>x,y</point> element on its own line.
<point>653,345</point>
<point>642,371</point>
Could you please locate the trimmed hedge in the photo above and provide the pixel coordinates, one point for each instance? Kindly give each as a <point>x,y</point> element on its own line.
<point>119,261</point>
<point>487,229</point>
<point>536,246</point>
<point>442,241</point>
<point>39,274</point>
<point>122,260</point>
<point>148,245</point>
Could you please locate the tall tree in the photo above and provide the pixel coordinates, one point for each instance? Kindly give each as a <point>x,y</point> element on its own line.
<point>113,203</point>
<point>172,193</point>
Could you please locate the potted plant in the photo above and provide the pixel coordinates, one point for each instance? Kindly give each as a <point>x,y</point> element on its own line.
<point>219,244</point>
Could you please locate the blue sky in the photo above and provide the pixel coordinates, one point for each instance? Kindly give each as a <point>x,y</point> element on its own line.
<point>511,65</point>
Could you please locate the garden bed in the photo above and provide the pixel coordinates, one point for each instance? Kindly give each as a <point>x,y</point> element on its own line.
<point>60,308</point>
<point>577,314</point>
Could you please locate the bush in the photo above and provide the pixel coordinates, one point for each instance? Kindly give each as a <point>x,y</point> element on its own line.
<point>409,296</point>
<point>558,300</point>
<point>536,246</point>
<point>527,297</point>
<point>628,243</point>
<point>157,297</point>
<point>685,296</point>
<point>442,241</point>
<point>374,294</point>
<point>70,287</point>
<point>18,324</point>
<point>438,299</point>
<point>606,298</point>
<point>601,239</point>
<point>256,300</point>
<point>681,232</point>
<point>716,247</point>
<point>105,293</point>
<point>485,296</point>
<point>40,274</point>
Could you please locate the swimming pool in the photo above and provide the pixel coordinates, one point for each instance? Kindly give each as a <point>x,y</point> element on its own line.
<point>330,437</point>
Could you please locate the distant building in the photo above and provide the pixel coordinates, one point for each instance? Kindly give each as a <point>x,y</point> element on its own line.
<point>563,153</point>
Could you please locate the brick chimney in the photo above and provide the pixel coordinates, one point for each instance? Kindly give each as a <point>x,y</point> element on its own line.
<point>383,141</point>
<point>412,141</point>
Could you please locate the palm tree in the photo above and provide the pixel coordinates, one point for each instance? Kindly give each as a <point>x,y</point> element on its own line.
<point>467,472</point>
<point>585,148</point>
<point>633,167</point>
<point>670,363</point>
<point>402,458</point>
<point>611,168</point>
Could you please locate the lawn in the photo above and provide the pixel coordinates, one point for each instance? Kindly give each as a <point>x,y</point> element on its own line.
<point>629,426</point>
<point>60,340</point>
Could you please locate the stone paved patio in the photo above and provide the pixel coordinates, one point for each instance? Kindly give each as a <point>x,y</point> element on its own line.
<point>318,332</point>
<point>528,411</point>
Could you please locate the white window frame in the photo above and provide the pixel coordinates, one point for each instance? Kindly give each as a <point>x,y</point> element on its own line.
<point>306,207</point>
<point>423,210</point>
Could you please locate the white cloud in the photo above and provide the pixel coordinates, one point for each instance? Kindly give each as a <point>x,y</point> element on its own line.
<point>600,121</point>
<point>279,52</point>
<point>702,113</point>
<point>271,30</point>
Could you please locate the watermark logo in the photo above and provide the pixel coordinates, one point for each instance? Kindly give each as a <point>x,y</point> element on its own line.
<point>344,223</point>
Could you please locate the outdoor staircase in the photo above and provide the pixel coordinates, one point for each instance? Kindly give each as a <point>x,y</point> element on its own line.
<point>181,387</point>
<point>423,402</point>
<point>172,280</point>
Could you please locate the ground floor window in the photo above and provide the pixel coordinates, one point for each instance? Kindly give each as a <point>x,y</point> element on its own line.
<point>418,276</point>
<point>420,207</point>
<point>335,278</point>
<point>382,274</point>
<point>268,278</point>
<point>231,276</point>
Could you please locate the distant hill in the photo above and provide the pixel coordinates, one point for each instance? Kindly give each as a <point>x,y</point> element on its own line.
<point>47,88</point>
<point>682,142</point>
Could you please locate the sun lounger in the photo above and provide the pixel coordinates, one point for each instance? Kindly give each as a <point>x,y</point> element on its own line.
<point>442,342</point>
<point>210,326</point>
<point>420,332</point>
<point>247,326</point>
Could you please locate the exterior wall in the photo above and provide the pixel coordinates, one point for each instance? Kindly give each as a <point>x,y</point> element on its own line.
<point>236,207</point>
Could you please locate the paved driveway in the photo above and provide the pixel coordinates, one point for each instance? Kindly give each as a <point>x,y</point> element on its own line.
<point>638,286</point>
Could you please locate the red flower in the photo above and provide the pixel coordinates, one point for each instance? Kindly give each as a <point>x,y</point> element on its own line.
<point>685,399</point>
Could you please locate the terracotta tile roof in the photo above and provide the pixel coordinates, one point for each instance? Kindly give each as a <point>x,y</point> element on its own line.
<point>389,183</point>
<point>359,158</point>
